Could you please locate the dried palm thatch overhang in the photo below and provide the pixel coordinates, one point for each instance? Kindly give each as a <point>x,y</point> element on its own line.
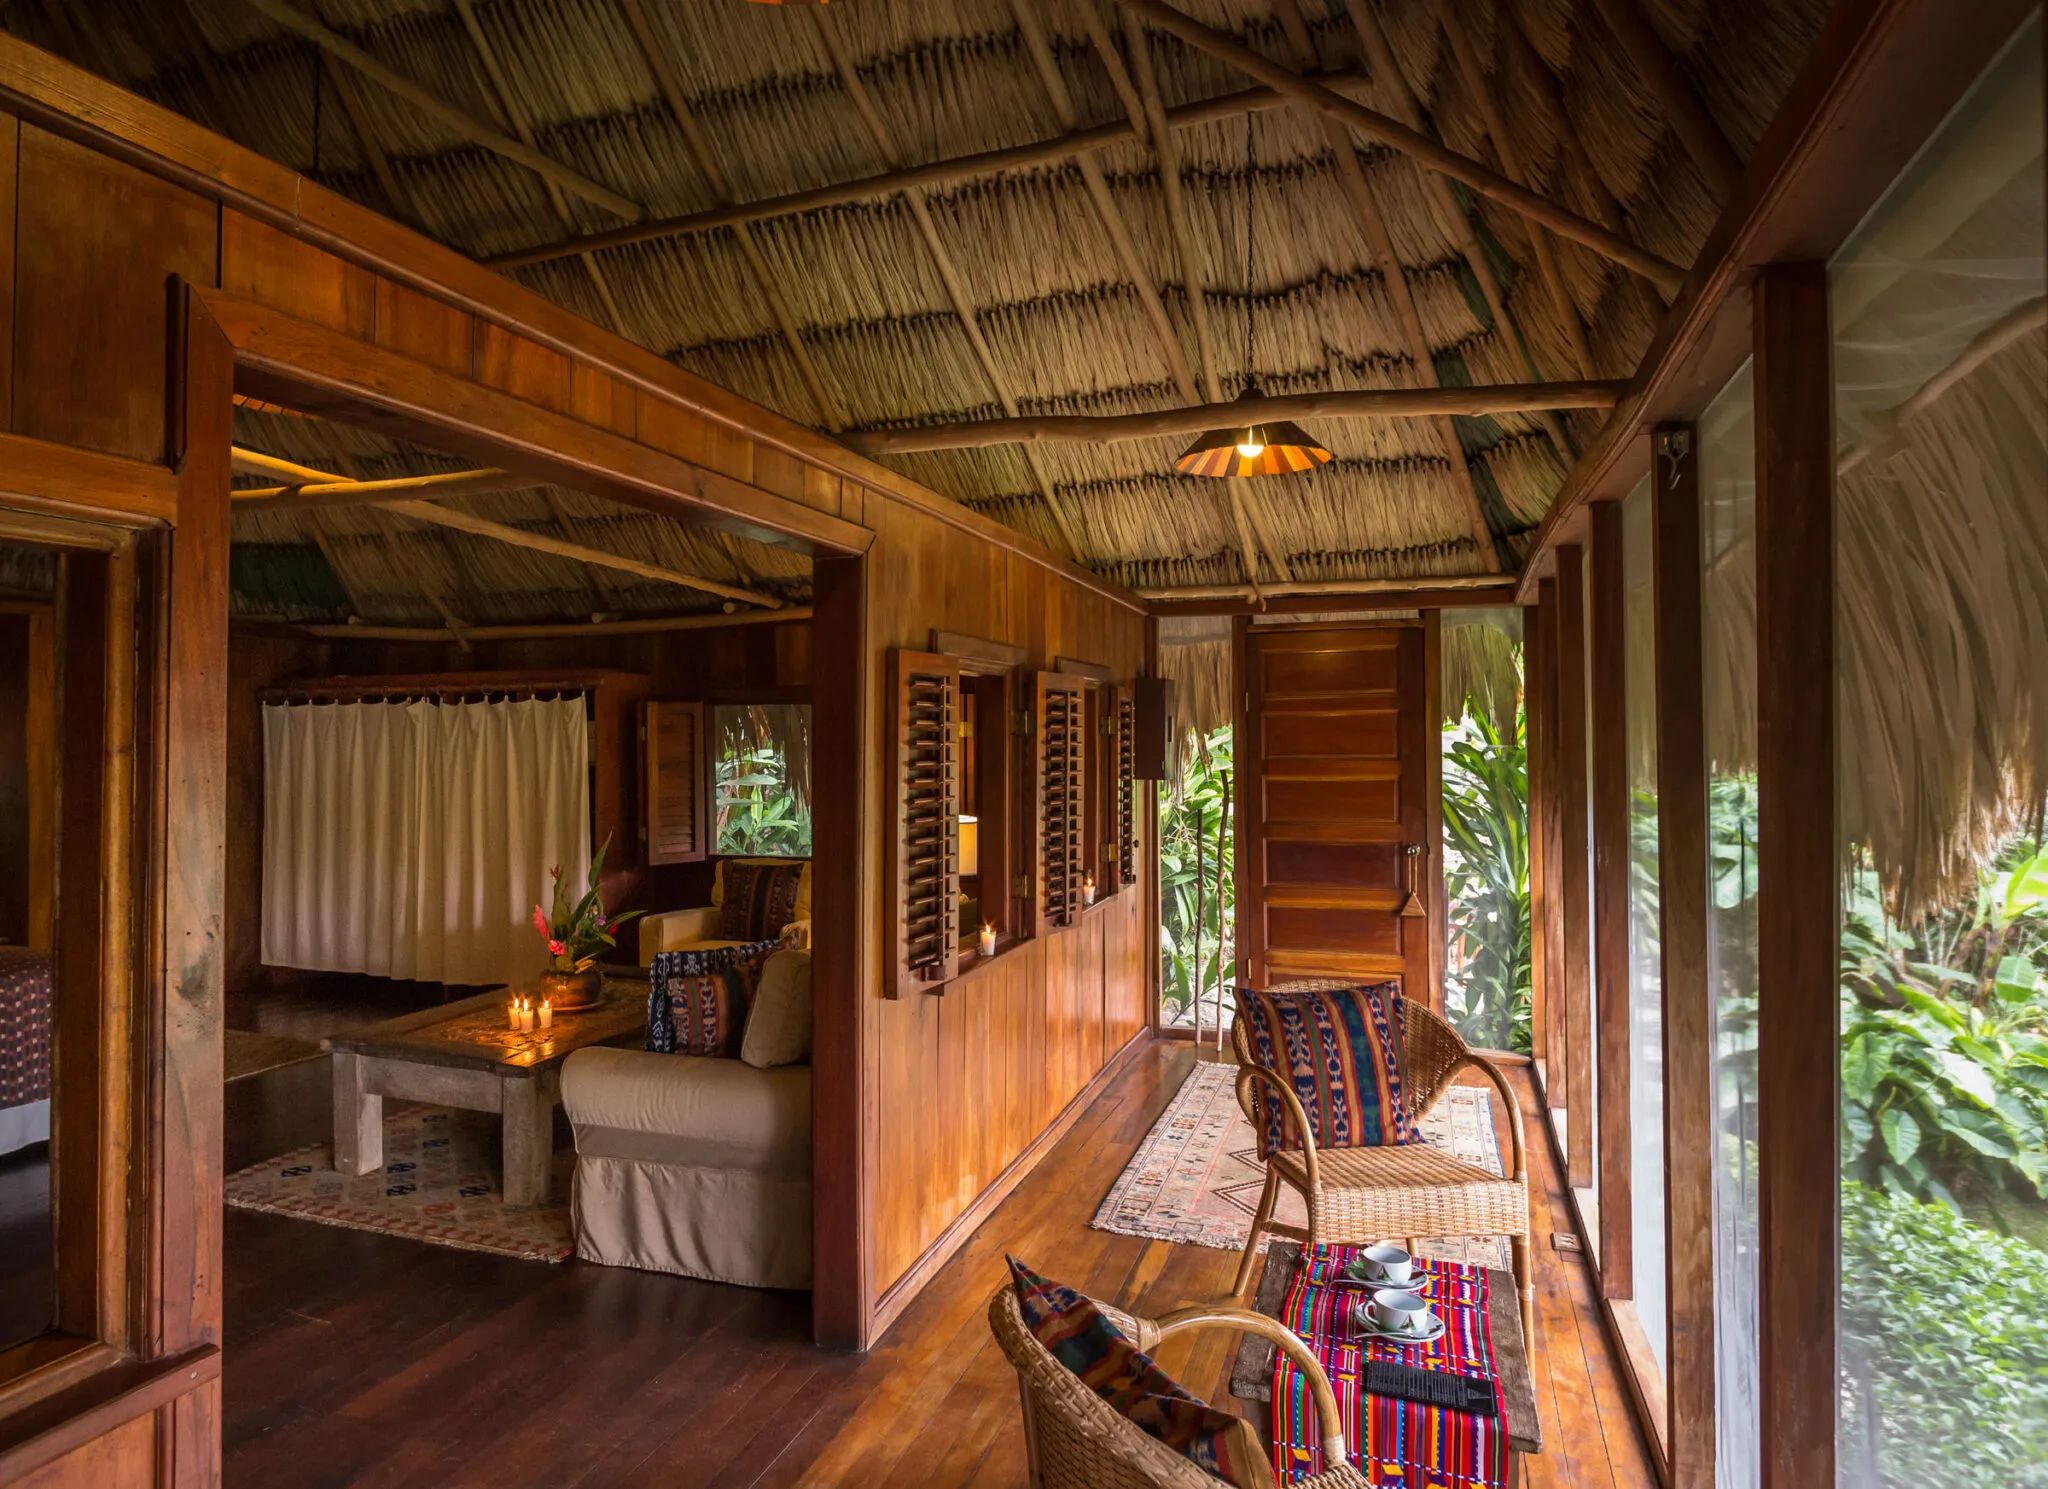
<point>880,219</point>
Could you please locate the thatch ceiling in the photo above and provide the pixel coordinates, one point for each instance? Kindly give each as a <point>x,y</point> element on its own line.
<point>782,99</point>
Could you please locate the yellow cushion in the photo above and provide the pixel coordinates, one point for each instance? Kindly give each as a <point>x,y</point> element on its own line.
<point>803,884</point>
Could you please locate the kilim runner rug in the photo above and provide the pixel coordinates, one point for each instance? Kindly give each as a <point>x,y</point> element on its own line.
<point>440,1183</point>
<point>1196,1177</point>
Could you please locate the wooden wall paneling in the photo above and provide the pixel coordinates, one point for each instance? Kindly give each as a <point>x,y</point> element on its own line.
<point>780,472</point>
<point>1691,1118</point>
<point>843,906</point>
<point>696,439</point>
<point>1537,745</point>
<point>188,1200</point>
<point>10,154</point>
<point>1607,684</point>
<point>1574,851</point>
<point>272,268</point>
<point>1798,909</point>
<point>527,370</point>
<point>1430,881</point>
<point>424,329</point>
<point>96,241</point>
<point>596,397</point>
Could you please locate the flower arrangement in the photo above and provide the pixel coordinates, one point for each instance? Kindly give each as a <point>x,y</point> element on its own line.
<point>577,934</point>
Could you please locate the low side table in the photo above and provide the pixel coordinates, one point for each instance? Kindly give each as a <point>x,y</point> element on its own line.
<point>461,1054</point>
<point>1251,1376</point>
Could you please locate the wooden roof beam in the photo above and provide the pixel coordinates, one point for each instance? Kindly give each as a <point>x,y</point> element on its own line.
<point>903,178</point>
<point>831,412</point>
<point>402,496</point>
<point>438,108</point>
<point>942,260</point>
<point>646,626</point>
<point>1106,208</point>
<point>1383,130</point>
<point>1358,403</point>
<point>1682,108</point>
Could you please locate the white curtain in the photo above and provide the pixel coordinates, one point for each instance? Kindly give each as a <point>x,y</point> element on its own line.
<point>412,840</point>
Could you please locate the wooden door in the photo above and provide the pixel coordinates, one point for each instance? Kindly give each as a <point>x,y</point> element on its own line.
<point>1332,793</point>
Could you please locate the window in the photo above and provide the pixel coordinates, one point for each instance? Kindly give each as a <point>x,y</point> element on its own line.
<point>761,779</point>
<point>988,810</point>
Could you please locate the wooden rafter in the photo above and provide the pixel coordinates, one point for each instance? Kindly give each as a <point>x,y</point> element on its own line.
<point>403,558</point>
<point>1357,403</point>
<point>400,200</point>
<point>647,626</point>
<point>1683,111</point>
<point>1379,54</point>
<point>1465,56</point>
<point>947,172</point>
<point>942,260</point>
<point>1378,127</point>
<point>830,411</point>
<point>1419,584</point>
<point>508,105</point>
<point>437,107</point>
<point>401,496</point>
<point>1577,158</point>
<point>1032,30</point>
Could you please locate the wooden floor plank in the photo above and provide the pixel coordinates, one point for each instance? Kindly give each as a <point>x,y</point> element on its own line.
<point>355,1359</point>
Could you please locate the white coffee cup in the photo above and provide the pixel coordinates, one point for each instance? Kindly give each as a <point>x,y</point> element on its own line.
<point>1388,1264</point>
<point>1400,1313</point>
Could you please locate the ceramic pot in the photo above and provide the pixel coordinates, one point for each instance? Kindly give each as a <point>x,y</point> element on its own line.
<point>570,990</point>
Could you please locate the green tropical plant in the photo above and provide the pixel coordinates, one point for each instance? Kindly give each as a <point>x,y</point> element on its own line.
<point>1486,881</point>
<point>758,813</point>
<point>578,932</point>
<point>1190,814</point>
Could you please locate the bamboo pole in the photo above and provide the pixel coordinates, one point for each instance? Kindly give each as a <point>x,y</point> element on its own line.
<point>329,492</point>
<point>1378,127</point>
<point>433,104</point>
<point>550,632</point>
<point>1362,403</point>
<point>1422,583</point>
<point>899,177</point>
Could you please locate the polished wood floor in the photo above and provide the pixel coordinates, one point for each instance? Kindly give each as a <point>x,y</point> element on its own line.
<point>361,1359</point>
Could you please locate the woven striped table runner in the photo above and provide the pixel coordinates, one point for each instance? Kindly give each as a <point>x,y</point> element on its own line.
<point>1394,1443</point>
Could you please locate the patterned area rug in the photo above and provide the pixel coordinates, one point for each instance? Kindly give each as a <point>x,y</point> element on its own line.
<point>440,1183</point>
<point>1196,1178</point>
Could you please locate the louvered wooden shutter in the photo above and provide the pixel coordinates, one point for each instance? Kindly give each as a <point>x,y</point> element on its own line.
<point>924,878</point>
<point>676,778</point>
<point>1124,806</point>
<point>1059,828</point>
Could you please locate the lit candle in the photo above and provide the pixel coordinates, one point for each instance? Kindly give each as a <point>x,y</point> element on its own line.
<point>512,1014</point>
<point>547,1014</point>
<point>988,940</point>
<point>526,1015</point>
<point>1088,890</point>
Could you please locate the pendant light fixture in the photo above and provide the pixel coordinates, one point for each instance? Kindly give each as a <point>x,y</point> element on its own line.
<point>1250,445</point>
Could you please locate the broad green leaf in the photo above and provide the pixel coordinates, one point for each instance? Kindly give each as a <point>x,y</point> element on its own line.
<point>1901,1134</point>
<point>1967,1075</point>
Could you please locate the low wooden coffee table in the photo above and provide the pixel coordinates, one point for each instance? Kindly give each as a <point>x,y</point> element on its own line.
<point>1251,1377</point>
<point>461,1054</point>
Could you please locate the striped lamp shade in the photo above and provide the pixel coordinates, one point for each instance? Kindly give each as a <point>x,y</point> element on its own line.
<point>1275,448</point>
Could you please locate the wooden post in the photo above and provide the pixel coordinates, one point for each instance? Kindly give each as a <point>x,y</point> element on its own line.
<point>1550,1037</point>
<point>1572,866</point>
<point>1608,684</point>
<point>1536,742</point>
<point>1431,870</point>
<point>1798,908</point>
<point>1682,890</point>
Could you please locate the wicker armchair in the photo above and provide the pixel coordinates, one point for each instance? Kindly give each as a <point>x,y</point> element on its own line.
<point>1076,1440</point>
<point>1361,1196</point>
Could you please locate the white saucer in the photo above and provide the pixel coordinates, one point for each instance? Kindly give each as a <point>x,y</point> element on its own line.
<point>1369,1328</point>
<point>1385,1284</point>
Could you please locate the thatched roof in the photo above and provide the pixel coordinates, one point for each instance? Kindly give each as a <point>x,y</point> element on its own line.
<point>783,99</point>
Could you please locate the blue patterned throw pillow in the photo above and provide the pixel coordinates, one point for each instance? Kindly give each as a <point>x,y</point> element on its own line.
<point>697,1000</point>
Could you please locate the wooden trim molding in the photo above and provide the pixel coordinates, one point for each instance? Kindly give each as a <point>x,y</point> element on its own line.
<point>95,1407</point>
<point>66,481</point>
<point>1690,1116</point>
<point>978,653</point>
<point>1799,899</point>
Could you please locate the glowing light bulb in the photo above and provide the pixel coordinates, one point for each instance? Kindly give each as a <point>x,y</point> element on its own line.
<point>1251,446</point>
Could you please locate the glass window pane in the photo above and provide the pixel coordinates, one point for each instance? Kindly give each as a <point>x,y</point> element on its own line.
<point>1727,433</point>
<point>1941,368</point>
<point>1486,828</point>
<point>1646,973</point>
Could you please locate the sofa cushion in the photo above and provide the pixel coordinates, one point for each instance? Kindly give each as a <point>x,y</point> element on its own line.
<point>1077,1334</point>
<point>758,899</point>
<point>697,1000</point>
<point>688,1111</point>
<point>1340,1048</point>
<point>779,1023</point>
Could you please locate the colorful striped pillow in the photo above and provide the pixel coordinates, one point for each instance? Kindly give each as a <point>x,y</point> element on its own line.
<point>1341,1050</point>
<point>697,1000</point>
<point>1077,1334</point>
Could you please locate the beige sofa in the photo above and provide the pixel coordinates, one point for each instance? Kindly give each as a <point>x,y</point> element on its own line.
<point>694,1165</point>
<point>697,929</point>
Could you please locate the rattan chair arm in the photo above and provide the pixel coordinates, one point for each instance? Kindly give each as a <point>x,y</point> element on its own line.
<point>1507,1099</point>
<point>1224,1316</point>
<point>1246,1074</point>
